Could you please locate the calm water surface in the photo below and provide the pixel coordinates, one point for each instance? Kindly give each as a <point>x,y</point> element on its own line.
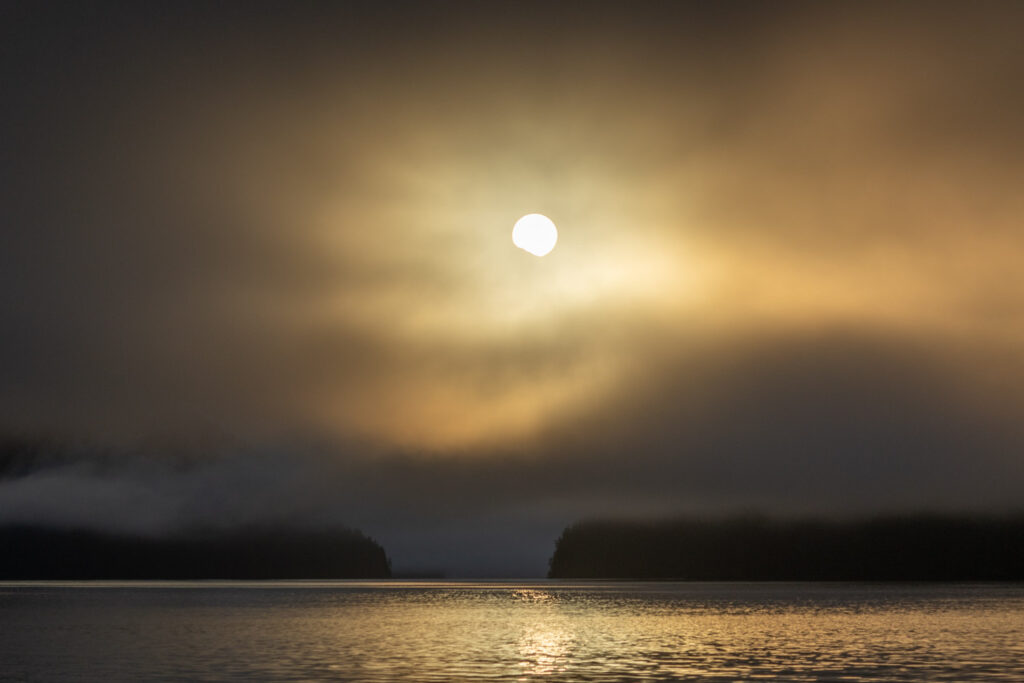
<point>444,631</point>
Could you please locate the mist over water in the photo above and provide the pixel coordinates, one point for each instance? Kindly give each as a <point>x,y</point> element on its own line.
<point>444,631</point>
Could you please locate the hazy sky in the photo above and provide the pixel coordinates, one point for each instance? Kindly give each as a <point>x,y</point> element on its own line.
<point>256,263</point>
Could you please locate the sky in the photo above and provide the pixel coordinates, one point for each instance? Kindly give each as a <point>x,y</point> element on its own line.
<point>256,266</point>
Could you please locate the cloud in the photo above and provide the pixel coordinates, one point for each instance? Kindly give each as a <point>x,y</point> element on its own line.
<point>786,276</point>
<point>829,424</point>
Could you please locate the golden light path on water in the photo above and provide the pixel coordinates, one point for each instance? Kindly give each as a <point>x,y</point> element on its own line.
<point>444,631</point>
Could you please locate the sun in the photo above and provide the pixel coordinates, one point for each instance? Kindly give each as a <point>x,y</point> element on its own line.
<point>535,233</point>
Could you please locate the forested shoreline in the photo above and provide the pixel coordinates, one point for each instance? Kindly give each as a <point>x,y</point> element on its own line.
<point>897,548</point>
<point>33,552</point>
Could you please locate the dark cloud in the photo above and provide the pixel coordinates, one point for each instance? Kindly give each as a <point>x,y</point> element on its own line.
<point>834,424</point>
<point>787,274</point>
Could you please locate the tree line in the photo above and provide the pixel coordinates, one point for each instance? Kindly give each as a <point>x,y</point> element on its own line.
<point>894,548</point>
<point>28,552</point>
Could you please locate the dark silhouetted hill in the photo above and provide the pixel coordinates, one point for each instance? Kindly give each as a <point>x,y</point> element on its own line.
<point>914,548</point>
<point>45,553</point>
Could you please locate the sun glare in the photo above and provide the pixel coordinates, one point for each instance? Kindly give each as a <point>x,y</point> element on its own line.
<point>535,233</point>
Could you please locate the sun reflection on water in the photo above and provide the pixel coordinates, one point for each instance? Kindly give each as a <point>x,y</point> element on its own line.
<point>472,631</point>
<point>544,651</point>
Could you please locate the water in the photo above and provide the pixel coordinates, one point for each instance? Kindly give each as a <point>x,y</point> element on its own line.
<point>445,631</point>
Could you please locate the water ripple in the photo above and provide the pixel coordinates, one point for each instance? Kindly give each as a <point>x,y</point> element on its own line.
<point>511,631</point>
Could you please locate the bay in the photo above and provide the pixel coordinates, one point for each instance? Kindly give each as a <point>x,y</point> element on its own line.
<point>510,630</point>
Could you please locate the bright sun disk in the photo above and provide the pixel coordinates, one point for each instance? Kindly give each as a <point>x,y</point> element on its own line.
<point>535,233</point>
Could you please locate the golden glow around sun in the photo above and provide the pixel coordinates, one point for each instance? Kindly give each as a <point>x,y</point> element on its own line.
<point>535,233</point>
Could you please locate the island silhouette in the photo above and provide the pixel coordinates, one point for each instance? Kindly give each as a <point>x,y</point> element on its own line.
<point>33,552</point>
<point>750,548</point>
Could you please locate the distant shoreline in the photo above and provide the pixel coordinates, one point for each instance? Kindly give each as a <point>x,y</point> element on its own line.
<point>40,553</point>
<point>922,548</point>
